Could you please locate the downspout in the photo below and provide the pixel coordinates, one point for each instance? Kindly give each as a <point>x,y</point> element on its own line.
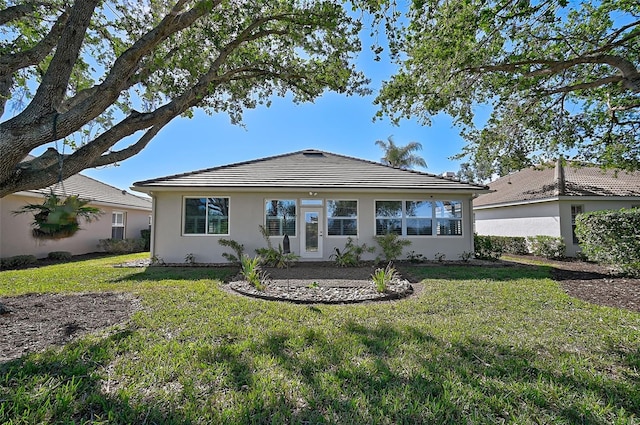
<point>152,242</point>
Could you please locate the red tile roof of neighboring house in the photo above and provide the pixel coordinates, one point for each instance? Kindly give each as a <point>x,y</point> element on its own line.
<point>549,181</point>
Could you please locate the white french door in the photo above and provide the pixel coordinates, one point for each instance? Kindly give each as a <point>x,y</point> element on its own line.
<point>311,233</point>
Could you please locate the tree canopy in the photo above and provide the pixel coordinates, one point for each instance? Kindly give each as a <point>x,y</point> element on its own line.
<point>90,74</point>
<point>401,156</point>
<point>557,77</point>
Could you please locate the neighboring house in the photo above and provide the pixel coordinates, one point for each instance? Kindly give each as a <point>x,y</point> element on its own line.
<point>318,199</point>
<point>124,215</point>
<point>546,200</point>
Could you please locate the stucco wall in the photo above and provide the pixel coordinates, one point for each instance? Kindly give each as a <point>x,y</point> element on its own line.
<point>16,239</point>
<point>519,220</point>
<point>247,213</point>
<point>551,218</point>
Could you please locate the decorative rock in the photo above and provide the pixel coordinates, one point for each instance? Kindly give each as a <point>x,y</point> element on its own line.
<point>325,291</point>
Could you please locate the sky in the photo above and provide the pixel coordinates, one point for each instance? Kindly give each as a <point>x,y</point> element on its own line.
<point>335,123</point>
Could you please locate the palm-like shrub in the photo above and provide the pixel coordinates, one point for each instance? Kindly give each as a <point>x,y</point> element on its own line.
<point>58,218</point>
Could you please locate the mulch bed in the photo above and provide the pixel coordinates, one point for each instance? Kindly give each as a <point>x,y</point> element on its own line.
<point>37,321</point>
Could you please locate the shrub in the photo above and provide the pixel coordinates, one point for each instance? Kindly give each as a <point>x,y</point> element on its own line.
<point>351,254</point>
<point>272,257</point>
<point>145,234</point>
<point>121,246</point>
<point>415,257</point>
<point>59,255</point>
<point>383,277</point>
<point>17,261</point>
<point>552,247</point>
<point>611,237</point>
<point>392,246</point>
<point>516,245</point>
<point>238,248</point>
<point>487,247</point>
<point>252,271</point>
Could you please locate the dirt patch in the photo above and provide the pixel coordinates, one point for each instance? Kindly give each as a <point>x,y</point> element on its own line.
<point>37,321</point>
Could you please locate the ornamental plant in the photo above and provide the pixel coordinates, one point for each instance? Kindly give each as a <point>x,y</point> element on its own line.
<point>58,218</point>
<point>611,237</point>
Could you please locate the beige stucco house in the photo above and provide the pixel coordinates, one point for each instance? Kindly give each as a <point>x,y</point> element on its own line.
<point>124,215</point>
<point>318,199</point>
<point>546,200</point>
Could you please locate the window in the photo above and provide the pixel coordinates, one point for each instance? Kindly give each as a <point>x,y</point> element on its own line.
<point>342,218</point>
<point>449,218</point>
<point>280,217</point>
<point>416,218</point>
<point>419,215</point>
<point>206,216</point>
<point>388,217</point>
<point>117,225</point>
<point>575,210</point>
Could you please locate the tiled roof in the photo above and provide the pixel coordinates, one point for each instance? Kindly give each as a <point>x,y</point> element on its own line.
<point>538,183</point>
<point>310,169</point>
<point>94,190</point>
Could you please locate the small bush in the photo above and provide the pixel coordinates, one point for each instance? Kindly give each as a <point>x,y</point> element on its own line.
<point>59,255</point>
<point>415,257</point>
<point>190,259</point>
<point>272,257</point>
<point>145,234</point>
<point>611,237</point>
<point>383,277</point>
<point>516,245</point>
<point>121,246</point>
<point>487,247</point>
<point>238,248</point>
<point>392,246</point>
<point>351,254</point>
<point>252,271</point>
<point>18,261</point>
<point>551,247</point>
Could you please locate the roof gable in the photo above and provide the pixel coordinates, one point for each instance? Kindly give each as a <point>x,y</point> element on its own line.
<point>309,169</point>
<point>546,182</point>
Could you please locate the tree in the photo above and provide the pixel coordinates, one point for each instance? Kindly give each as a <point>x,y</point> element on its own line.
<point>557,78</point>
<point>400,156</point>
<point>92,74</point>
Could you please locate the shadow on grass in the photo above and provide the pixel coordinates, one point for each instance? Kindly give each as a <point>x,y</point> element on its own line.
<point>181,273</point>
<point>66,387</point>
<point>395,374</point>
<point>474,381</point>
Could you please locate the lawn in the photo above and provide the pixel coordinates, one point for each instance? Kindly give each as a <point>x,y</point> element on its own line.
<point>477,345</point>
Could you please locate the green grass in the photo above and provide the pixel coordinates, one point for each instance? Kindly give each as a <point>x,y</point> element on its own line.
<point>478,345</point>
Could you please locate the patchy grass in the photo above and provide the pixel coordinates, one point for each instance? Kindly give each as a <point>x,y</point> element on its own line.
<point>478,345</point>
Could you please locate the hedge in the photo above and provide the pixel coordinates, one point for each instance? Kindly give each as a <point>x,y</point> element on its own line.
<point>611,237</point>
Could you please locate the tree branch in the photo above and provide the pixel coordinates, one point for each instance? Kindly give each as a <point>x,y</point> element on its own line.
<point>19,11</point>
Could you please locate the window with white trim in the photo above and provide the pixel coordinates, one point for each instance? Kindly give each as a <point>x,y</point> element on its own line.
<point>117,225</point>
<point>448,218</point>
<point>419,218</point>
<point>342,218</point>
<point>388,217</point>
<point>280,217</point>
<point>206,216</point>
<point>575,210</point>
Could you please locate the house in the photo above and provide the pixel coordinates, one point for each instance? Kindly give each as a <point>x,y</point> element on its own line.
<point>318,199</point>
<point>124,215</point>
<point>546,200</point>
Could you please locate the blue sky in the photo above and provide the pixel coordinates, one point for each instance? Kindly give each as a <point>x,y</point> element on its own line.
<point>334,123</point>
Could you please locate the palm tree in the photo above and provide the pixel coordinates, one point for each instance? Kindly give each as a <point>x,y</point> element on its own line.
<point>401,156</point>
